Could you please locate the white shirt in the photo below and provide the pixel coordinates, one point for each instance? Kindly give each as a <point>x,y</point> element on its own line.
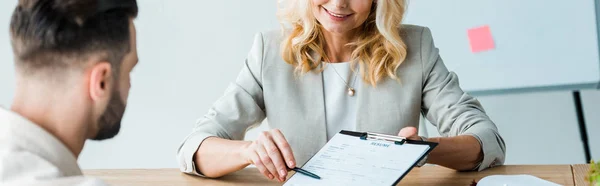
<point>340,108</point>
<point>31,156</point>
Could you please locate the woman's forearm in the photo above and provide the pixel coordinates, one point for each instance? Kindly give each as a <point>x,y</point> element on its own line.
<point>217,157</point>
<point>460,152</point>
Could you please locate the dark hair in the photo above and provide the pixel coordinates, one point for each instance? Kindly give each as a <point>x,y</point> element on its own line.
<point>58,34</point>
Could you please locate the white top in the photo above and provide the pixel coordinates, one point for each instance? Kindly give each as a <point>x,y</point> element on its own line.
<point>340,108</point>
<point>31,156</point>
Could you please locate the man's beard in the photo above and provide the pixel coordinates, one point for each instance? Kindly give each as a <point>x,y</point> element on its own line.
<point>110,122</point>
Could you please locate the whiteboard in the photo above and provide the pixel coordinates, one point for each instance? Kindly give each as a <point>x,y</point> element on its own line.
<point>539,43</point>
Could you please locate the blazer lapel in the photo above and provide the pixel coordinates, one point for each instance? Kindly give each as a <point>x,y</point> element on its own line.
<point>362,101</point>
<point>312,82</point>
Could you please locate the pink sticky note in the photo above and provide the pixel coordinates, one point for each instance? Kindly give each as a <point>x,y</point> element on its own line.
<point>481,39</point>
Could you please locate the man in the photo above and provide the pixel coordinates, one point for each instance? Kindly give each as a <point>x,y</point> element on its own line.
<point>73,59</point>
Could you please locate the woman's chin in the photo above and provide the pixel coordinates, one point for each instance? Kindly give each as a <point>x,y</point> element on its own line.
<point>337,30</point>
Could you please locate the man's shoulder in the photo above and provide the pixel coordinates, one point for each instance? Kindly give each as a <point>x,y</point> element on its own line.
<point>19,166</point>
<point>17,163</point>
<point>29,155</point>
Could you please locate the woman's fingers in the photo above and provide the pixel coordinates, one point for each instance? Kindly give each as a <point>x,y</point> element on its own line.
<point>266,160</point>
<point>284,147</point>
<point>275,155</point>
<point>256,161</point>
<point>272,155</point>
<point>409,133</point>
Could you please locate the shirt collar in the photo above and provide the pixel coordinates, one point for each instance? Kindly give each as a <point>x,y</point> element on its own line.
<point>35,139</point>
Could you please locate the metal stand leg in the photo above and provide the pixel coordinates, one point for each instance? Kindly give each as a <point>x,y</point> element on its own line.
<point>582,127</point>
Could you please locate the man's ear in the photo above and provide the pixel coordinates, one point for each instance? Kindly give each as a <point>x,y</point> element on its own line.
<point>101,81</point>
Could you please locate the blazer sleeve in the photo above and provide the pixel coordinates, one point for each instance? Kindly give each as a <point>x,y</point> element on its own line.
<point>453,111</point>
<point>241,107</point>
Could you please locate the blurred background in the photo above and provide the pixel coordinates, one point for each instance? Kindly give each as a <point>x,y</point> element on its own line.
<point>521,59</point>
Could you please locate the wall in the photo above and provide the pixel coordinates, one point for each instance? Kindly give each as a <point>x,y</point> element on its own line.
<point>178,78</point>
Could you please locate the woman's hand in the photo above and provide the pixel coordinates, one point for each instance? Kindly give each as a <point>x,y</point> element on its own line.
<point>271,154</point>
<point>410,133</point>
<point>462,152</point>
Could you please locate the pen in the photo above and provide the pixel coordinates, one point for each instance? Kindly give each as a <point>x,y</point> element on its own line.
<point>309,174</point>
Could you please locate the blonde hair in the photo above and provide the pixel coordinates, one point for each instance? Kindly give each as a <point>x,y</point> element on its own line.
<point>379,48</point>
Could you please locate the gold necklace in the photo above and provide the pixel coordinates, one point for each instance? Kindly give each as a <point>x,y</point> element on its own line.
<point>351,90</point>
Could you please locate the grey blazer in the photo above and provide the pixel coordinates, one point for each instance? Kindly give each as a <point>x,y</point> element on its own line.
<point>267,88</point>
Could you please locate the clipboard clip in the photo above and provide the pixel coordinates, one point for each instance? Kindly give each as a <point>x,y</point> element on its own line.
<point>378,136</point>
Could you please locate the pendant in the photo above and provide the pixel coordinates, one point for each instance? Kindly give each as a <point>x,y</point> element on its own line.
<point>350,92</point>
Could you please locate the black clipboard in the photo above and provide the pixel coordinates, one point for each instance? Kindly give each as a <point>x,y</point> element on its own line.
<point>396,140</point>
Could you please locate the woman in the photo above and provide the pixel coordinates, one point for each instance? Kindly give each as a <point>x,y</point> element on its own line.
<point>305,83</point>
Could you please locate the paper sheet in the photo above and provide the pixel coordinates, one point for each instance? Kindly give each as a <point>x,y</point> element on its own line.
<point>348,160</point>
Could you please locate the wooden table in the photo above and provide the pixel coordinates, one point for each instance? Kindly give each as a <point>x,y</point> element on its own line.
<point>579,174</point>
<point>560,174</point>
<point>428,175</point>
